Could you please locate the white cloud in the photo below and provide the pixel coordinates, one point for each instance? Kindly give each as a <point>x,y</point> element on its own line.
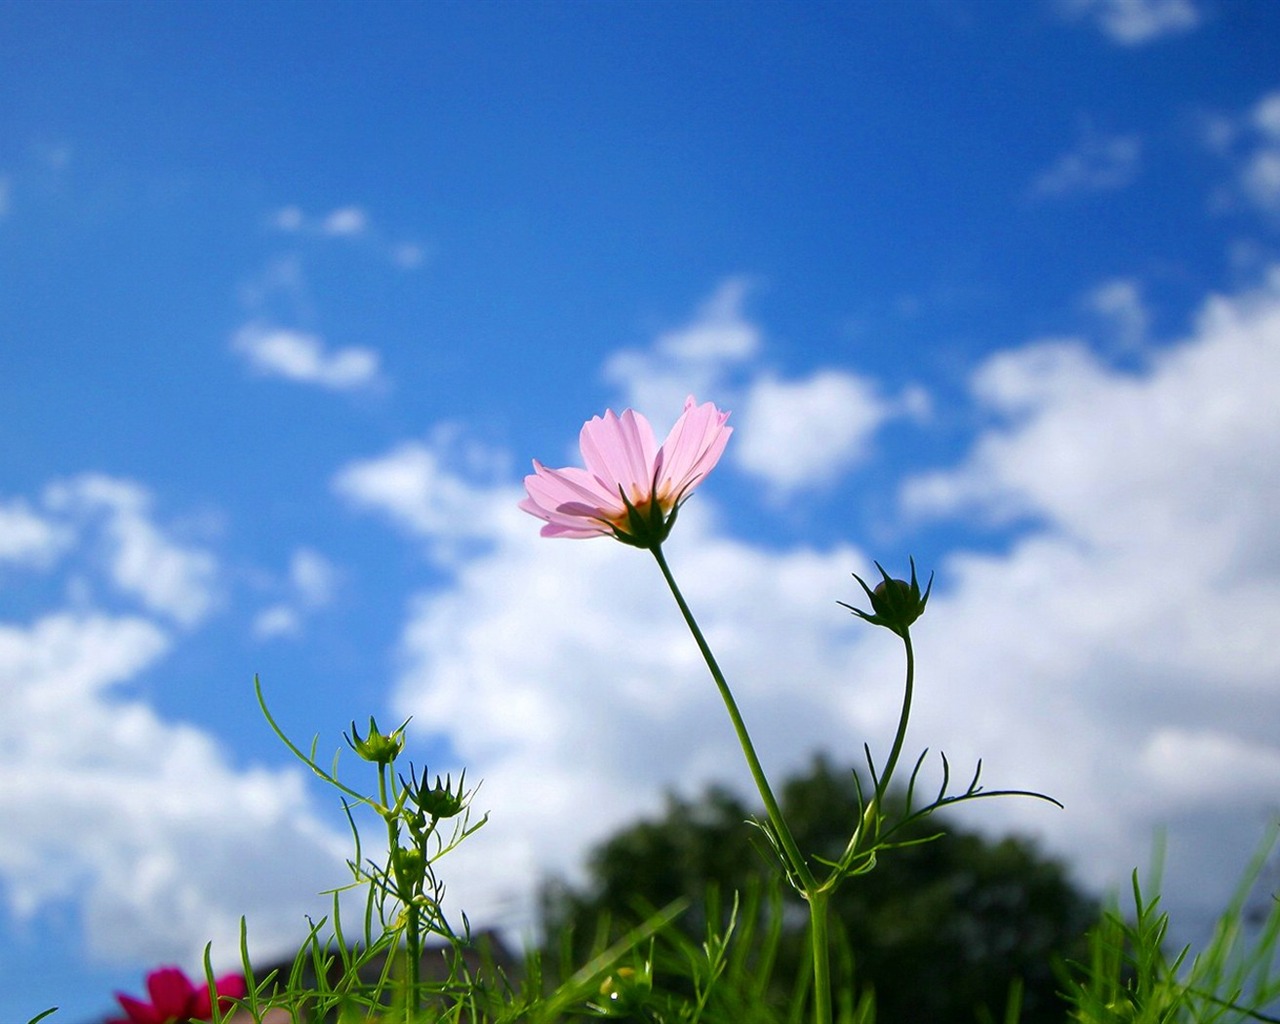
<point>141,823</point>
<point>803,433</point>
<point>1080,438</point>
<point>1250,141</point>
<point>1098,163</point>
<point>792,433</point>
<point>1117,655</point>
<point>313,577</point>
<point>1138,614</point>
<point>351,223</point>
<point>177,580</point>
<point>28,538</point>
<point>311,585</point>
<point>346,221</point>
<point>1136,22</point>
<point>695,359</point>
<point>140,820</point>
<point>293,355</point>
<point>279,620</point>
<point>1119,304</point>
<point>342,222</point>
<point>415,488</point>
<point>1260,175</point>
<point>1205,766</point>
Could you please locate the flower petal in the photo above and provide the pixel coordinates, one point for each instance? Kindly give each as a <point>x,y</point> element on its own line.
<point>172,993</point>
<point>620,452</point>
<point>138,1012</point>
<point>692,449</point>
<point>228,987</point>
<point>570,500</point>
<point>552,489</point>
<point>579,531</point>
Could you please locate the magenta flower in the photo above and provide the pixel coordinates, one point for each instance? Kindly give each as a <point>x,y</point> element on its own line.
<point>631,488</point>
<point>176,1000</point>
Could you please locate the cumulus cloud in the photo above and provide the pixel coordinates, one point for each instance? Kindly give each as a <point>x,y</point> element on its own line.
<point>1136,22</point>
<point>98,798</point>
<point>1098,163</point>
<point>1136,615</point>
<point>294,355</point>
<point>173,579</point>
<point>794,433</point>
<point>804,433</point>
<point>419,489</point>
<point>141,821</point>
<point>1079,436</point>
<point>698,358</point>
<point>1116,653</point>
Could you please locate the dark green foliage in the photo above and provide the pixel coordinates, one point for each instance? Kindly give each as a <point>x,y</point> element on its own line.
<point>939,930</point>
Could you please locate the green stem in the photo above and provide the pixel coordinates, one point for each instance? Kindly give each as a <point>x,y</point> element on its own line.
<point>816,897</point>
<point>798,864</point>
<point>412,941</point>
<point>818,905</point>
<point>896,750</point>
<point>413,950</point>
<point>872,815</point>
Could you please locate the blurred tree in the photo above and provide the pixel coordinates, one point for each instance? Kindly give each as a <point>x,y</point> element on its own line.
<point>939,930</point>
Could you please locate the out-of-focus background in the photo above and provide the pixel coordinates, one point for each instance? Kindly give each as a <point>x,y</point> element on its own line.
<point>291,294</point>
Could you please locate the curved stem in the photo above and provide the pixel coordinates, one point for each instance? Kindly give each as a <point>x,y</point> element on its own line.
<point>901,735</point>
<point>872,815</point>
<point>792,851</point>
<point>817,898</point>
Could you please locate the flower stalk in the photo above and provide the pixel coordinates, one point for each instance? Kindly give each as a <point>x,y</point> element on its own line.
<point>631,490</point>
<point>817,898</point>
<point>796,863</point>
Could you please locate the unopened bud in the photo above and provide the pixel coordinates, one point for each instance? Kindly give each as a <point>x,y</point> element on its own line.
<point>895,604</point>
<point>381,748</point>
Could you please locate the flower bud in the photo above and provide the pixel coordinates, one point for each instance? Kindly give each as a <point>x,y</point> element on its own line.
<point>895,604</point>
<point>410,866</point>
<point>440,801</point>
<point>381,748</point>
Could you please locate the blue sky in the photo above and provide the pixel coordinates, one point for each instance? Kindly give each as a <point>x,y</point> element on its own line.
<point>290,296</point>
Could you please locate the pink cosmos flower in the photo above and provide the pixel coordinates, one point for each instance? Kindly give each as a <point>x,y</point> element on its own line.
<point>176,1000</point>
<point>631,489</point>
